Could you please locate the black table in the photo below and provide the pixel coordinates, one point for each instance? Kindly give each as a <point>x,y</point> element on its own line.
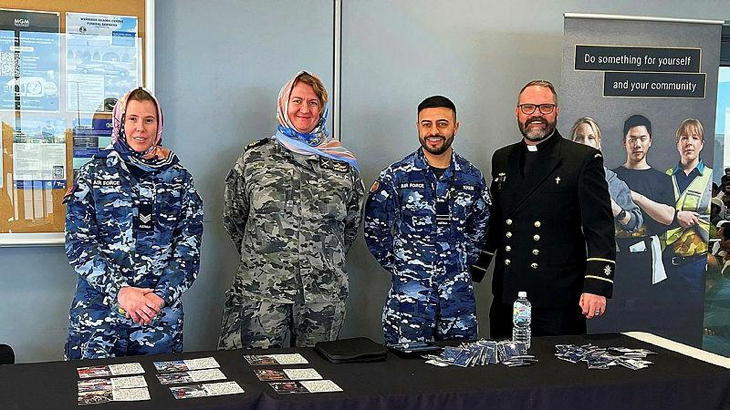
<point>674,381</point>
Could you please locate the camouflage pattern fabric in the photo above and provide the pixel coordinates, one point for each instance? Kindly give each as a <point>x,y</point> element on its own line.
<point>425,232</point>
<point>114,335</point>
<point>124,230</point>
<point>264,324</point>
<point>292,218</point>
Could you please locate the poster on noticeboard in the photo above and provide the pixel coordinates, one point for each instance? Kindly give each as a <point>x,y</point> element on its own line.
<point>29,60</point>
<point>103,60</point>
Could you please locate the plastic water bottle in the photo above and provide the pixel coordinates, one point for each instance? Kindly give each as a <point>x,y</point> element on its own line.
<point>521,320</point>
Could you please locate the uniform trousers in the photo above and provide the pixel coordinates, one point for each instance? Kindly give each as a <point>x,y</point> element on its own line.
<point>111,334</point>
<point>266,324</point>
<point>687,283</point>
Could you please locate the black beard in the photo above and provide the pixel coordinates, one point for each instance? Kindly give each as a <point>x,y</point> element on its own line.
<point>438,151</point>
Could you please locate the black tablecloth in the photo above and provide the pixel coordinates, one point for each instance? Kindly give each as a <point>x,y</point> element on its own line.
<point>674,381</point>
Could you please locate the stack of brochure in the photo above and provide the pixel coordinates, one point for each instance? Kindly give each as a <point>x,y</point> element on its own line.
<point>204,369</point>
<point>483,352</point>
<point>290,381</point>
<point>96,387</point>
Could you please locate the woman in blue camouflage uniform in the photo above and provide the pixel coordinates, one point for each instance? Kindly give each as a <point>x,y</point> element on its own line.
<point>134,224</point>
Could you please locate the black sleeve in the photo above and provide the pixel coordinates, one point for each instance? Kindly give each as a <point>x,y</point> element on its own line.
<point>598,227</point>
<point>489,243</point>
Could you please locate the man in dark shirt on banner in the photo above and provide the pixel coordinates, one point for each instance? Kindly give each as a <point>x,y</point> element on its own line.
<point>641,294</point>
<point>552,227</point>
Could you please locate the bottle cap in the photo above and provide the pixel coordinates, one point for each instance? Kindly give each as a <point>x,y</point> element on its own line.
<point>522,294</point>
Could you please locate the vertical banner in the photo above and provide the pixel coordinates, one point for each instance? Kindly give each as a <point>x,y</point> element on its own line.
<point>643,91</point>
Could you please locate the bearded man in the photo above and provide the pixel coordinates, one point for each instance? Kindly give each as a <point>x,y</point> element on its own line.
<point>424,219</point>
<point>552,231</point>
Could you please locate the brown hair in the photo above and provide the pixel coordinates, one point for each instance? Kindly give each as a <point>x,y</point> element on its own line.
<point>540,83</point>
<point>140,94</point>
<point>317,85</point>
<point>689,125</point>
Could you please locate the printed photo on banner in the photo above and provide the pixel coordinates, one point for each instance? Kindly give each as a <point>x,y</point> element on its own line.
<point>643,93</point>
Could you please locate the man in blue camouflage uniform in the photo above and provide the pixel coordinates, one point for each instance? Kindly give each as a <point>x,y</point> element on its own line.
<point>134,225</point>
<point>423,218</point>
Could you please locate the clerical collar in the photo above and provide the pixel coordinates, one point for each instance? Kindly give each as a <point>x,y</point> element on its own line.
<point>542,145</point>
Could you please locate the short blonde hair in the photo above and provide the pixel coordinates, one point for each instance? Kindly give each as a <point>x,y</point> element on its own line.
<point>689,125</point>
<point>591,123</point>
<point>316,84</point>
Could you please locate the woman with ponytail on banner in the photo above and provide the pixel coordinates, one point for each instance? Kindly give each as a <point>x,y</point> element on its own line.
<point>292,207</point>
<point>625,212</point>
<point>687,242</point>
<point>134,224</point>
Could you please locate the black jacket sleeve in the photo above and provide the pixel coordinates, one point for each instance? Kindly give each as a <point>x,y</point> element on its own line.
<point>598,228</point>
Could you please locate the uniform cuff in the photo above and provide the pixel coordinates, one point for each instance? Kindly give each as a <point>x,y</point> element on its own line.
<point>165,295</point>
<point>114,289</point>
<point>479,269</point>
<point>599,276</point>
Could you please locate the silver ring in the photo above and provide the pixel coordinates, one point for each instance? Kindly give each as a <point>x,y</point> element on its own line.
<point>598,311</point>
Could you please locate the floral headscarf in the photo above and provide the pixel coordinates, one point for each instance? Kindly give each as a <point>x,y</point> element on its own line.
<point>157,156</point>
<point>317,141</point>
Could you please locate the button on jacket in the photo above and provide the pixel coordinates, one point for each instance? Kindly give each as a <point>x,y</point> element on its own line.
<point>552,231</point>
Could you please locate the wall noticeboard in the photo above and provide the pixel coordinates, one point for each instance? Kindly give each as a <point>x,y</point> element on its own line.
<point>63,64</point>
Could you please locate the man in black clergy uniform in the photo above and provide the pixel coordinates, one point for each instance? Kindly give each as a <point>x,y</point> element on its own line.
<point>552,231</point>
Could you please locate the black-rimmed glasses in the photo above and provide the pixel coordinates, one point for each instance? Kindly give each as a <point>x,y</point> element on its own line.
<point>545,109</point>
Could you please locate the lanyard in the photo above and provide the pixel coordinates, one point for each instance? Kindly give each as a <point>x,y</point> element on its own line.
<point>443,208</point>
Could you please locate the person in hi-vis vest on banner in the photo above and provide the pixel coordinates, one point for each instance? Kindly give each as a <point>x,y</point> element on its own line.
<point>686,244</point>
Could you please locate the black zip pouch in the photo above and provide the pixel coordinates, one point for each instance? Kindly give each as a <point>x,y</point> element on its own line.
<point>354,350</point>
